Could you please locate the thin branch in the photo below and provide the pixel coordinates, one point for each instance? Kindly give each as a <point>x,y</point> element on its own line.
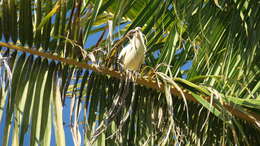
<point>100,38</point>
<point>251,118</point>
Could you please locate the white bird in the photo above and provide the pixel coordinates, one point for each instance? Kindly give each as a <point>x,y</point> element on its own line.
<point>132,56</point>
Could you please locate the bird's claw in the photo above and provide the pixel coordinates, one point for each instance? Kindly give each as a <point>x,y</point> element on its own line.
<point>131,75</point>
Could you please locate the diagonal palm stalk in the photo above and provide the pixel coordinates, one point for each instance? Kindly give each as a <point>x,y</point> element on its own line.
<point>213,101</point>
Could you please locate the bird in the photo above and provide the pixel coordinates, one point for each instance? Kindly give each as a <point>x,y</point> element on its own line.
<point>130,58</point>
<point>132,55</point>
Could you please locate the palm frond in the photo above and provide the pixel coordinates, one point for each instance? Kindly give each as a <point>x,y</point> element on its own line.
<point>214,101</point>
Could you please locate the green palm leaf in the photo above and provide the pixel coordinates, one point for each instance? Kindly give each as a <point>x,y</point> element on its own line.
<point>213,101</point>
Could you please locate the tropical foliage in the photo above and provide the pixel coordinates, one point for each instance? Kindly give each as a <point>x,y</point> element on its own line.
<point>199,84</point>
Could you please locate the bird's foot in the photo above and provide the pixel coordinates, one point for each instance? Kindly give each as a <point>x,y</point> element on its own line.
<point>132,75</point>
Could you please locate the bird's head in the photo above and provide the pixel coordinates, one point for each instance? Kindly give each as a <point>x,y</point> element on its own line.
<point>134,32</point>
<point>139,35</point>
<point>138,29</point>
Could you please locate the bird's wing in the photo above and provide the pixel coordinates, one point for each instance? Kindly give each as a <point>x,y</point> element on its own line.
<point>124,51</point>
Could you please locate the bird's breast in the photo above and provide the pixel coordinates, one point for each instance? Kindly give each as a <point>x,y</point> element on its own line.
<point>133,60</point>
